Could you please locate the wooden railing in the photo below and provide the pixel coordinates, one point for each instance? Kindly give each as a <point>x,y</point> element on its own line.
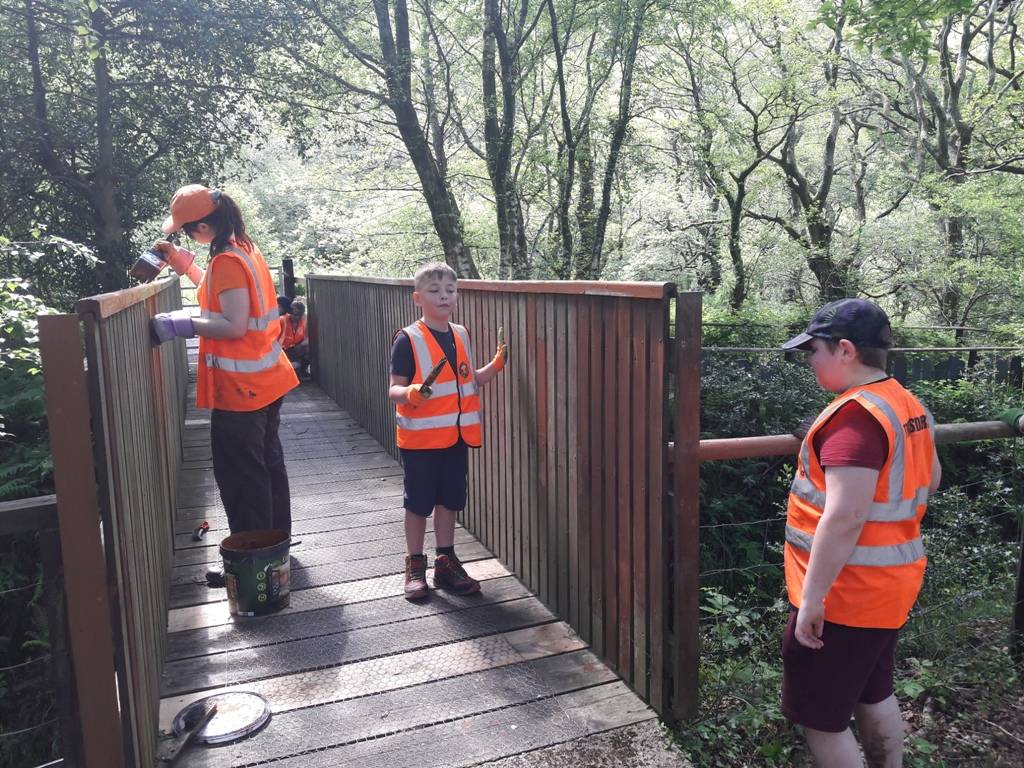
<point>571,489</point>
<point>115,407</point>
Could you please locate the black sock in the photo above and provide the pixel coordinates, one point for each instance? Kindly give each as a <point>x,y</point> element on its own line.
<point>450,551</point>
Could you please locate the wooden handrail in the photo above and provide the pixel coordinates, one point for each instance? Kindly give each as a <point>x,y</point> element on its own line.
<point>781,445</point>
<point>106,304</point>
<point>561,287</point>
<point>38,513</point>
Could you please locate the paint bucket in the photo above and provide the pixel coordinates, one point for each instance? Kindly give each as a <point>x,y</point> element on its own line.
<point>257,572</point>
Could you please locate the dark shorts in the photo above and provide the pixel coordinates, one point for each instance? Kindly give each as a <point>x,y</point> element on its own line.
<point>821,688</point>
<point>436,476</point>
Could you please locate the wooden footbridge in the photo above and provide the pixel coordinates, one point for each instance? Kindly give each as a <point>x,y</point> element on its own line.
<point>584,633</point>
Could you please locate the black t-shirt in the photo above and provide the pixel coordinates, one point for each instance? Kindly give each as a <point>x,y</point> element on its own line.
<point>404,364</point>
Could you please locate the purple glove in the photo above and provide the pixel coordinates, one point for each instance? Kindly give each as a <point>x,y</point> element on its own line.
<point>170,325</point>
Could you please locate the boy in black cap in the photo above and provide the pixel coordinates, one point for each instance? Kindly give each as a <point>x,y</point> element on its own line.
<point>854,559</point>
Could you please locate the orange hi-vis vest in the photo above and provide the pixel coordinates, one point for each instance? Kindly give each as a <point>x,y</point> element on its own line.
<point>880,581</point>
<point>250,372</point>
<point>293,336</point>
<point>453,409</point>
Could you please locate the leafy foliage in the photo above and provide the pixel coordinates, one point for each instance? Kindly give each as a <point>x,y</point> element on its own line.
<point>25,464</point>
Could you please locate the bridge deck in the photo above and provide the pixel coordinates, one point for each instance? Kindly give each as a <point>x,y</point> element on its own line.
<point>357,675</point>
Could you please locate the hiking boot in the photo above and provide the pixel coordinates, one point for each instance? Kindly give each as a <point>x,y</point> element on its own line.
<point>416,577</point>
<point>449,574</point>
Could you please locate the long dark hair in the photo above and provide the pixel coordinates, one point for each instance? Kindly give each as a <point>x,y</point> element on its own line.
<point>226,221</point>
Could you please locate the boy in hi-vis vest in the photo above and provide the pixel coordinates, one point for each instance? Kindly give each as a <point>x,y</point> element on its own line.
<point>437,423</point>
<point>854,559</point>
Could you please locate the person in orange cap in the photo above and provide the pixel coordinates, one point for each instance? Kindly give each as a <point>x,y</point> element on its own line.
<point>243,372</point>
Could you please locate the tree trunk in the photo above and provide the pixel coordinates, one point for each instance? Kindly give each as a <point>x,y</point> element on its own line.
<point>585,204</point>
<point>444,211</point>
<point>498,135</point>
<point>618,136</point>
<point>739,288</point>
<point>111,246</point>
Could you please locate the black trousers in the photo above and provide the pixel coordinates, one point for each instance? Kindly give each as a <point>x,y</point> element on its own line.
<point>248,465</point>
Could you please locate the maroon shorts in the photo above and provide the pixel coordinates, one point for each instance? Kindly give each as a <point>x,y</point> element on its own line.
<point>820,688</point>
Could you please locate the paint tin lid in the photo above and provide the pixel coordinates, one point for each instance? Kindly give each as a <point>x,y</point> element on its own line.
<point>239,714</point>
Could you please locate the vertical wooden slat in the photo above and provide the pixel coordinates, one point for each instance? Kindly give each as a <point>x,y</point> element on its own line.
<point>550,560</point>
<point>561,380</point>
<point>643,418</point>
<point>624,512</point>
<point>599,565</point>
<point>572,449</point>
<point>584,508</point>
<point>658,457</point>
<point>91,638</point>
<point>523,438</point>
<point>686,544</point>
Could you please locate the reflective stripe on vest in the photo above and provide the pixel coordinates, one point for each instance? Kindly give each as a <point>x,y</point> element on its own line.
<point>885,555</point>
<point>439,422</point>
<point>255,323</point>
<point>235,365</point>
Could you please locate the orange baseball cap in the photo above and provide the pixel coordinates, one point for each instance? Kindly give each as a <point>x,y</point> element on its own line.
<point>191,203</point>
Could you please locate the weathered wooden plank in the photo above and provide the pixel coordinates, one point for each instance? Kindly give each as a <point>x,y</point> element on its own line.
<point>282,627</point>
<point>625,383</point>
<point>656,497</point>
<point>312,729</point>
<point>599,500</point>
<point>489,736</point>
<point>319,575</point>
<point>317,598</point>
<point>686,517</point>
<point>307,556</point>
<point>425,632</point>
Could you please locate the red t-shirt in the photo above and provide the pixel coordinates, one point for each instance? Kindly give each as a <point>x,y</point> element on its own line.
<point>852,438</point>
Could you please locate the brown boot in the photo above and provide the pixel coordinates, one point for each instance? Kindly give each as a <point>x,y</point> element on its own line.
<point>449,574</point>
<point>416,577</point>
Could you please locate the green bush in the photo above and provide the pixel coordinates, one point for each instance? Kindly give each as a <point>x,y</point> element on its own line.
<point>25,470</point>
<point>25,464</point>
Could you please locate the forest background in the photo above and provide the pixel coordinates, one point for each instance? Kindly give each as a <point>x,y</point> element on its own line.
<point>773,155</point>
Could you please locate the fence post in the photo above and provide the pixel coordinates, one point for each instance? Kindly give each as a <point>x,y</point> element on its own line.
<point>288,271</point>
<point>685,587</point>
<point>90,632</point>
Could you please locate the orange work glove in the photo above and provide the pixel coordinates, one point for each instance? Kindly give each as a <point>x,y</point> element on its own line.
<point>181,260</point>
<point>501,355</point>
<point>415,396</point>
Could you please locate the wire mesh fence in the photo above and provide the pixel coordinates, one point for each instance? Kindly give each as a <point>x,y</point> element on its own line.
<point>29,719</point>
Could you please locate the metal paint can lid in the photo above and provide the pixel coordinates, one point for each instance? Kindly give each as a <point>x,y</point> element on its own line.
<point>239,714</point>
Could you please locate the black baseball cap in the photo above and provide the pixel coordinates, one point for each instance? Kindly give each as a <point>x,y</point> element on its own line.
<point>858,320</point>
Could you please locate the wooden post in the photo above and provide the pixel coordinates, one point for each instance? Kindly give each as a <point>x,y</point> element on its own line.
<point>684,663</point>
<point>91,641</point>
<point>288,270</point>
